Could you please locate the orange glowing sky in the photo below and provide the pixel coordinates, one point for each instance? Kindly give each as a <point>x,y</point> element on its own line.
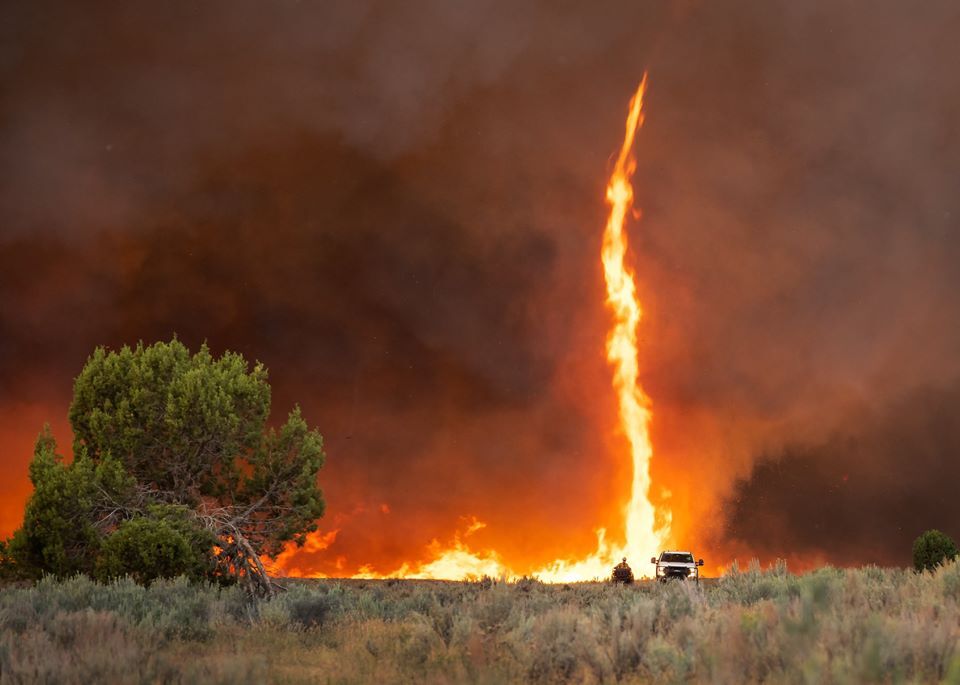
<point>644,532</point>
<point>401,210</point>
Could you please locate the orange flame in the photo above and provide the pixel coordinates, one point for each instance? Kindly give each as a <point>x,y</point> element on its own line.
<point>643,537</point>
<point>454,561</point>
<point>642,533</point>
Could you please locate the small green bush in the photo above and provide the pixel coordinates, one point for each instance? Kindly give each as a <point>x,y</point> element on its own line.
<point>932,549</point>
<point>314,609</point>
<point>164,544</point>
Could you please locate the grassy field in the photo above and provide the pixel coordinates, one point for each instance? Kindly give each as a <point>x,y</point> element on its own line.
<point>829,626</point>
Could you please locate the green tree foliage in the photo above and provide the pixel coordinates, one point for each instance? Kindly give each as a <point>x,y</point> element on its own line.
<point>175,471</point>
<point>60,533</point>
<point>8,567</point>
<point>165,543</point>
<point>178,421</point>
<point>932,549</point>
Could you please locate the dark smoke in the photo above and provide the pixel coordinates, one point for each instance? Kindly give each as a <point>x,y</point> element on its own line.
<point>397,207</point>
<point>861,496</point>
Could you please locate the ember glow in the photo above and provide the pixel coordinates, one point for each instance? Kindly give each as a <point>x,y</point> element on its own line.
<point>643,537</point>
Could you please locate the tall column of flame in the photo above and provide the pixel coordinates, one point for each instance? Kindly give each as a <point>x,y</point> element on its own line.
<point>642,537</point>
<point>641,533</point>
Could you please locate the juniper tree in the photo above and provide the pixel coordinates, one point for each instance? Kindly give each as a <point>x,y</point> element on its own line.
<point>933,548</point>
<point>172,449</point>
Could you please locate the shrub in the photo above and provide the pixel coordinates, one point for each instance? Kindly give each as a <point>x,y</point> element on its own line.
<point>165,610</point>
<point>165,544</point>
<point>831,625</point>
<point>313,609</point>
<point>931,549</point>
<point>79,647</point>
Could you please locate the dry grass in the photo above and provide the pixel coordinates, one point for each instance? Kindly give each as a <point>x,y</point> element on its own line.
<point>830,626</point>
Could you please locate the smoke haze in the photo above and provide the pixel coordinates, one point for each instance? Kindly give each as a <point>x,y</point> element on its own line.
<point>397,207</point>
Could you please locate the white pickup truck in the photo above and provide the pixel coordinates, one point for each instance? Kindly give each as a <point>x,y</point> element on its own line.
<point>673,565</point>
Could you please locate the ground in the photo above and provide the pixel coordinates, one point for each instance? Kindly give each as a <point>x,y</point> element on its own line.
<point>858,625</point>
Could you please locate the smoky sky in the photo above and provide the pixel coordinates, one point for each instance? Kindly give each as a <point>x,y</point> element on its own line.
<point>397,208</point>
<point>863,493</point>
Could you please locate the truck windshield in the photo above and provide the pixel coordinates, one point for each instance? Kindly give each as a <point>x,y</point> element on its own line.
<point>676,558</point>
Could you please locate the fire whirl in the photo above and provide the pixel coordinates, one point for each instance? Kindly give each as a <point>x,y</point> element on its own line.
<point>643,537</point>
<point>642,534</point>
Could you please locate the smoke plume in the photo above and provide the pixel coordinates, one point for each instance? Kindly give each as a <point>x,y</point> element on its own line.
<point>397,207</point>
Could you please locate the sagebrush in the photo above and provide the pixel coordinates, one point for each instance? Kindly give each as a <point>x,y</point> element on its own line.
<point>828,626</point>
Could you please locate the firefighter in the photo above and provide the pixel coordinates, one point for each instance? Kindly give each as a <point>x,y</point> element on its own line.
<point>622,572</point>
